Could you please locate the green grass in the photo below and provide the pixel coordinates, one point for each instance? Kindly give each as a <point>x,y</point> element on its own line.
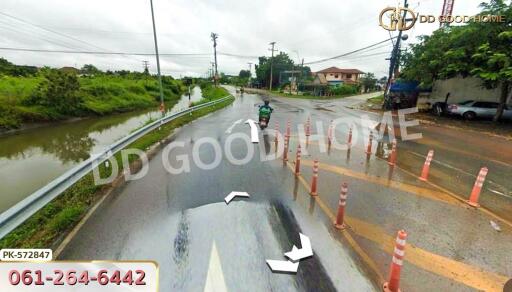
<point>101,95</point>
<point>48,225</point>
<point>376,100</point>
<point>210,93</point>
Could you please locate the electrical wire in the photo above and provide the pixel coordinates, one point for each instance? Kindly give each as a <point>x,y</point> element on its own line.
<point>346,54</point>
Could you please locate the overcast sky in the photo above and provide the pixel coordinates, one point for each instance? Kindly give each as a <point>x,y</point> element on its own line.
<point>309,29</point>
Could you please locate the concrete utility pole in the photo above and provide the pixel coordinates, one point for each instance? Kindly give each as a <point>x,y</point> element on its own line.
<point>250,68</point>
<point>214,39</point>
<point>213,70</point>
<point>394,60</point>
<point>162,106</point>
<point>250,73</point>
<point>272,62</point>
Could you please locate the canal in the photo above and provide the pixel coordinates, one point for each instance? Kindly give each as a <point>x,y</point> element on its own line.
<point>32,158</point>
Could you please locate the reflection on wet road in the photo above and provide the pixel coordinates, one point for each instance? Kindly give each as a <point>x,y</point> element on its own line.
<point>182,222</point>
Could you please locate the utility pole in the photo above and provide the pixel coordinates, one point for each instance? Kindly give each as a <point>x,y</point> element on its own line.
<point>214,39</point>
<point>250,68</point>
<point>271,63</point>
<point>213,71</point>
<point>250,74</point>
<point>145,65</point>
<point>162,105</point>
<point>395,59</point>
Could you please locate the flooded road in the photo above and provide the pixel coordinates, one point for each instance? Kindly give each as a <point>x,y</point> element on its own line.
<point>32,158</point>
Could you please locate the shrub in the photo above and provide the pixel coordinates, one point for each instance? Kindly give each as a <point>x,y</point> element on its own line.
<point>58,90</point>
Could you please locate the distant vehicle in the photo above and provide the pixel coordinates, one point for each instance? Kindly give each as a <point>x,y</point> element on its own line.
<point>470,109</point>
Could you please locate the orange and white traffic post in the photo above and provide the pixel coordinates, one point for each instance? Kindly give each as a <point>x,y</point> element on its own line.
<point>392,156</point>
<point>288,129</point>
<point>308,127</point>
<point>393,285</point>
<point>297,161</point>
<point>477,188</point>
<point>329,134</point>
<point>349,142</point>
<point>285,154</point>
<point>370,142</point>
<point>340,217</point>
<point>276,139</point>
<point>314,181</point>
<point>426,166</point>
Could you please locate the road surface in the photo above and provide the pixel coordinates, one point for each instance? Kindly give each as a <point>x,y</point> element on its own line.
<point>202,244</point>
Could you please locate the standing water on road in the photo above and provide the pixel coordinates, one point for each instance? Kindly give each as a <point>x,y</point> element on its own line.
<point>31,159</point>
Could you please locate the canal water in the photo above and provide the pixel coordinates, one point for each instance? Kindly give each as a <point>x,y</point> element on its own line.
<point>32,158</point>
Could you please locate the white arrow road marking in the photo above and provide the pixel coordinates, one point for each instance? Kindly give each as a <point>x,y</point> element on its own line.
<point>215,277</point>
<point>283,266</point>
<point>230,129</point>
<point>232,195</point>
<point>305,252</point>
<point>254,131</point>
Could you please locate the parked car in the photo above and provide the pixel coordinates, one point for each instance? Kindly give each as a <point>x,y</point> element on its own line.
<point>482,109</point>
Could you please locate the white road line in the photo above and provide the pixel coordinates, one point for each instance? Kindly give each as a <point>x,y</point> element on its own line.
<point>215,277</point>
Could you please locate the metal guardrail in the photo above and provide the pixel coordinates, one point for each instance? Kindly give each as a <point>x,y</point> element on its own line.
<point>17,214</point>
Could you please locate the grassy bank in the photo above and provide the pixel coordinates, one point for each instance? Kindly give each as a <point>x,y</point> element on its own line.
<point>20,98</point>
<point>56,219</point>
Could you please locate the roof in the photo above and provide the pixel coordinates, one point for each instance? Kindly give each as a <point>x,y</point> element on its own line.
<point>338,70</point>
<point>320,79</point>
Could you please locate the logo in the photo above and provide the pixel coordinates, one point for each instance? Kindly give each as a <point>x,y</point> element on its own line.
<point>403,18</point>
<point>398,18</point>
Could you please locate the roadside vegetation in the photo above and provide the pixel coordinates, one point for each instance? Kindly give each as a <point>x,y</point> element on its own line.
<point>48,226</point>
<point>478,49</point>
<point>46,94</point>
<point>210,92</point>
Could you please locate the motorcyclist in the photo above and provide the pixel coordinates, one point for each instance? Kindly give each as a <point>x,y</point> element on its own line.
<point>265,111</point>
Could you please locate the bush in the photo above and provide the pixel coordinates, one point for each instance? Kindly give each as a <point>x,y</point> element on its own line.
<point>59,91</point>
<point>343,90</point>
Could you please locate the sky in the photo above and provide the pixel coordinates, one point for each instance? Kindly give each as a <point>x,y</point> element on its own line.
<point>304,29</point>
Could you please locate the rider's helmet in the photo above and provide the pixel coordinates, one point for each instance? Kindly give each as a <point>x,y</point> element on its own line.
<point>267,102</point>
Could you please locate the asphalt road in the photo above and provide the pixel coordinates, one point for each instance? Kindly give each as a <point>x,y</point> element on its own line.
<point>202,244</point>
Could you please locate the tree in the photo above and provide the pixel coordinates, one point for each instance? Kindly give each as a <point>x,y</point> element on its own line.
<point>281,62</point>
<point>479,49</point>
<point>369,81</point>
<point>8,68</point>
<point>244,74</point>
<point>58,90</point>
<point>90,69</point>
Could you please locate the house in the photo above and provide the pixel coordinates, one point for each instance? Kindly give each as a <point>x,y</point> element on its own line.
<point>335,76</point>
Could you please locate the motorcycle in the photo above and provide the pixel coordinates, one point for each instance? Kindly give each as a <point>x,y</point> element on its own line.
<point>263,123</point>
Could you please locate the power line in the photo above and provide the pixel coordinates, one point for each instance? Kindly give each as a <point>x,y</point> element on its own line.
<point>10,27</point>
<point>346,54</point>
<point>98,52</point>
<point>50,30</point>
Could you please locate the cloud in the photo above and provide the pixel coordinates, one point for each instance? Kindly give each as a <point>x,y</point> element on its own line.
<point>309,29</point>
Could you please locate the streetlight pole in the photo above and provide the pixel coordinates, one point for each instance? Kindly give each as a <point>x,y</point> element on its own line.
<point>272,63</point>
<point>162,106</point>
